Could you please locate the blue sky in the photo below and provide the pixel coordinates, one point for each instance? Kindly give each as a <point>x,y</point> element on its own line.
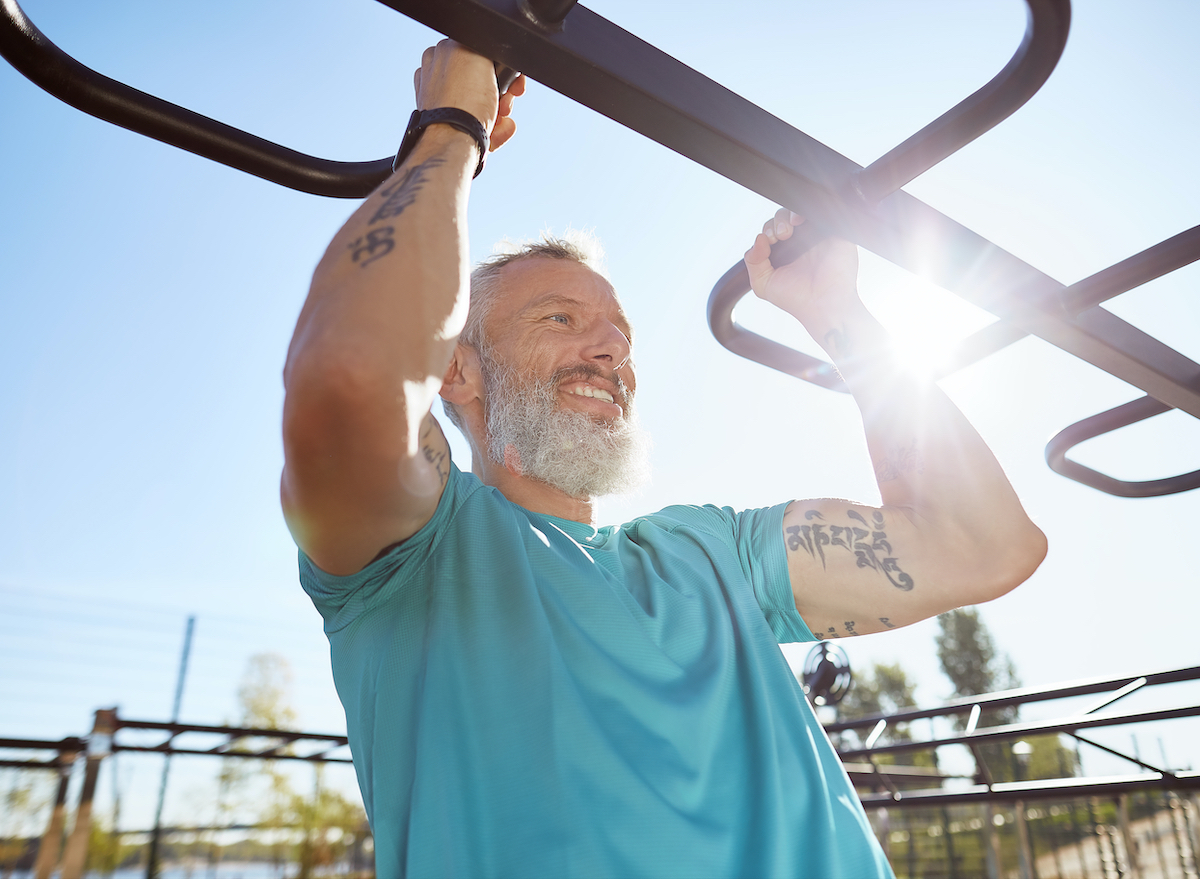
<point>149,295</point>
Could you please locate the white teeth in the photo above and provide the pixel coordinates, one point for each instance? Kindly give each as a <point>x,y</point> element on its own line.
<point>598,393</point>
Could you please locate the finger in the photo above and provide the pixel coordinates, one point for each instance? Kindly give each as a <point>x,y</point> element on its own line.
<point>769,230</point>
<point>502,132</point>
<point>518,85</point>
<point>795,219</point>
<point>783,226</point>
<point>417,83</point>
<point>758,263</point>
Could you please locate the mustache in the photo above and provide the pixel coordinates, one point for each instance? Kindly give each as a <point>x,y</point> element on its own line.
<point>586,371</point>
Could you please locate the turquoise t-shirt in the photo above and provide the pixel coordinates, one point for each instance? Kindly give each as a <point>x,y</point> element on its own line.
<point>528,696</point>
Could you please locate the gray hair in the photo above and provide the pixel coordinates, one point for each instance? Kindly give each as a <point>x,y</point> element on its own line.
<point>582,247</point>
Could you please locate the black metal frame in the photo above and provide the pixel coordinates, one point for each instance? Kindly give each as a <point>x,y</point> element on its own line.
<point>985,789</point>
<point>589,59</point>
<point>232,744</point>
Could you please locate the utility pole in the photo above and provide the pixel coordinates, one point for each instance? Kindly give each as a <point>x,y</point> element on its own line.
<point>152,861</point>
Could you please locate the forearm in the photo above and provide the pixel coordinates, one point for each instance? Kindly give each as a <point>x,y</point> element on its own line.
<point>390,294</point>
<point>930,462</point>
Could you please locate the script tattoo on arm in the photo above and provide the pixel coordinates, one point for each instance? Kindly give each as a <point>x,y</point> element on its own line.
<point>379,241</point>
<point>868,543</point>
<point>837,343</point>
<point>435,453</point>
<point>401,194</point>
<point>898,461</point>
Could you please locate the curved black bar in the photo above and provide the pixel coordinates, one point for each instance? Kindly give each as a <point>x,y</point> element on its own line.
<point>1047,25</point>
<point>46,65</point>
<point>1122,416</point>
<point>1031,65</point>
<point>735,284</point>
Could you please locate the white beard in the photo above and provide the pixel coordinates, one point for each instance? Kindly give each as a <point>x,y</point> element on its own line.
<point>572,451</point>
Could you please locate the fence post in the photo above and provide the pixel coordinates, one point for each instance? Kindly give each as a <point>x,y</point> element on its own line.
<point>99,747</point>
<point>1133,869</point>
<point>992,840</point>
<point>1023,848</point>
<point>51,843</point>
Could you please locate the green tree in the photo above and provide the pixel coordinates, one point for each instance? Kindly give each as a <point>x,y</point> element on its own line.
<point>969,656</point>
<point>975,666</point>
<point>22,803</point>
<point>326,822</point>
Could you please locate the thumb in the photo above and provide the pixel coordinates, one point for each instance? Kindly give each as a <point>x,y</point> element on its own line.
<point>758,264</point>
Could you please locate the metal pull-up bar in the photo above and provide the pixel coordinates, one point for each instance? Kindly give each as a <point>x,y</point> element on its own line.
<point>583,56</point>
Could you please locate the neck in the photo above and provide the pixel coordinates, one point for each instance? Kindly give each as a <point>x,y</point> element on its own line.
<point>533,494</point>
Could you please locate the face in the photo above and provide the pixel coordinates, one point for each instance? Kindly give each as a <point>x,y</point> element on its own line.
<point>558,381</point>
<point>557,320</point>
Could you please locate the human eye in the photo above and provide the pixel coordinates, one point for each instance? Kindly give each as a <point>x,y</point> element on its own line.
<point>559,318</point>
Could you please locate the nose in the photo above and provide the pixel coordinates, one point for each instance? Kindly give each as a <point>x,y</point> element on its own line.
<point>608,345</point>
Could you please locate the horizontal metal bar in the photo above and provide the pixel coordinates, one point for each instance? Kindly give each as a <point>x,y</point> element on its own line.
<point>267,755</point>
<point>1051,789</point>
<point>1021,696</point>
<point>608,69</point>
<point>231,731</point>
<point>1141,268</point>
<point>70,744</point>
<point>46,65</point>
<point>1106,422</point>
<point>1032,728</point>
<point>32,764</point>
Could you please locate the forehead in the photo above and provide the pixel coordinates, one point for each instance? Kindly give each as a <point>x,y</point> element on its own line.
<point>536,283</point>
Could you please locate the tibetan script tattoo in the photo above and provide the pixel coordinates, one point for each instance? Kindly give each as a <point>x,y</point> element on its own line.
<point>868,543</point>
<point>399,195</point>
<point>377,243</point>
<point>899,460</point>
<point>436,454</point>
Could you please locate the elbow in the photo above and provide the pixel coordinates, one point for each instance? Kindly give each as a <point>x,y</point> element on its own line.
<point>1010,559</point>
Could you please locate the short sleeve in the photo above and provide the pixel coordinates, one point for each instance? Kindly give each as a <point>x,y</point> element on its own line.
<point>341,599</point>
<point>758,537</point>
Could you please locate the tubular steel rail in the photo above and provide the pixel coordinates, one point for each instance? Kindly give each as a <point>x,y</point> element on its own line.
<point>984,788</point>
<point>231,744</point>
<point>594,62</point>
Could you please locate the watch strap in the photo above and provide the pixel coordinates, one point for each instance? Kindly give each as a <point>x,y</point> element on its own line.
<point>452,116</point>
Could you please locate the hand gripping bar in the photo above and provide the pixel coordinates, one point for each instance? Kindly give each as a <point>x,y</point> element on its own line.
<point>1047,25</point>
<point>48,66</point>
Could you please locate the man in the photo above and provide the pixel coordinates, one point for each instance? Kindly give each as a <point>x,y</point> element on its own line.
<point>530,695</point>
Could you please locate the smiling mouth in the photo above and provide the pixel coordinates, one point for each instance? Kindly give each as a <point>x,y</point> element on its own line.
<point>595,393</point>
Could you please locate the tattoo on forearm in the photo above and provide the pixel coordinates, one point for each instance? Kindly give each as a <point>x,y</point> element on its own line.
<point>863,542</point>
<point>378,242</point>
<point>837,343</point>
<point>437,455</point>
<point>898,461</point>
<point>375,244</point>
<point>399,195</point>
<point>887,622</point>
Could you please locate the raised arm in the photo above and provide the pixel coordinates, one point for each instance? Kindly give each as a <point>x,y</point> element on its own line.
<point>951,530</point>
<point>365,462</point>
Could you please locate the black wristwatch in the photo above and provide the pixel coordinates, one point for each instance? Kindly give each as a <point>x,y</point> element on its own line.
<point>452,116</point>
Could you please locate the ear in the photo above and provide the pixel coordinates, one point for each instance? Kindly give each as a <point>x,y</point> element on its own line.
<point>463,381</point>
